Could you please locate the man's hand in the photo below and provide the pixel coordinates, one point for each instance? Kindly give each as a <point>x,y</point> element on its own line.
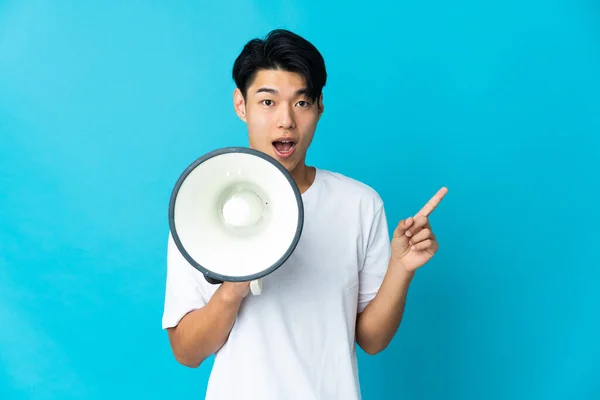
<point>235,291</point>
<point>414,243</point>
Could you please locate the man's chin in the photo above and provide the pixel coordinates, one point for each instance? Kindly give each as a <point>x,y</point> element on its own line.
<point>288,164</point>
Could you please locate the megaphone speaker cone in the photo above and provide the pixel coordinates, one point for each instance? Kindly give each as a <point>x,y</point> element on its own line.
<point>243,209</point>
<point>236,214</point>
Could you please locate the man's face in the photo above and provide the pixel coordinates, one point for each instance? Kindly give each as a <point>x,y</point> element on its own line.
<point>281,118</point>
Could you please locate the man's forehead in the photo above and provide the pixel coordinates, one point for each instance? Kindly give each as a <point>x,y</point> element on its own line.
<point>277,82</point>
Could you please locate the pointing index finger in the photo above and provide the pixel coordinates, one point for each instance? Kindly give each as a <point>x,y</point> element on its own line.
<point>433,202</point>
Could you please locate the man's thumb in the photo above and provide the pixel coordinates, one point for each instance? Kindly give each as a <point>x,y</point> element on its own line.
<point>399,232</point>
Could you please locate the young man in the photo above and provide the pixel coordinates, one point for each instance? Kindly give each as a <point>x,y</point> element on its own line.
<point>345,283</point>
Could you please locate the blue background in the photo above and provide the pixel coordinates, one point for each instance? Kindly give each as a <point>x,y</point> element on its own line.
<point>102,105</point>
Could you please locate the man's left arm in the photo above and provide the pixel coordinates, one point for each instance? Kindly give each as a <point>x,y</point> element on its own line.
<point>413,245</point>
<point>378,323</point>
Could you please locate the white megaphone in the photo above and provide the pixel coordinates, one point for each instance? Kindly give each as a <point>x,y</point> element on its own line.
<point>236,215</point>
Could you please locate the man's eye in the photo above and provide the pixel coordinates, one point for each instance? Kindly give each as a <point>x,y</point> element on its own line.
<point>303,103</point>
<point>267,102</point>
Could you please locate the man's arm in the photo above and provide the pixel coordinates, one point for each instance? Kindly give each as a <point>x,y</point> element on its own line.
<point>378,323</point>
<point>413,245</point>
<point>203,331</point>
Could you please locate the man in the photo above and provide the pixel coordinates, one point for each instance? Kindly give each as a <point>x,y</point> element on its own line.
<point>345,283</point>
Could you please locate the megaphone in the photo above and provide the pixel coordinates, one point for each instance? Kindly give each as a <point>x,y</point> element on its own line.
<point>236,215</point>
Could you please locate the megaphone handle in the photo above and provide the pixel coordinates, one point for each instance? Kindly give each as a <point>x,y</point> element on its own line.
<point>256,286</point>
<point>212,281</point>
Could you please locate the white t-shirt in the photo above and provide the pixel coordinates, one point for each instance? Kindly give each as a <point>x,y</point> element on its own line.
<point>296,340</point>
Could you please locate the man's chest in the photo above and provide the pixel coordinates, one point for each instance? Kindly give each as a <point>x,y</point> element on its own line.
<point>326,260</point>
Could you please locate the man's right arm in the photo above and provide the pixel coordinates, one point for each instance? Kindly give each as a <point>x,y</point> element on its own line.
<point>203,331</point>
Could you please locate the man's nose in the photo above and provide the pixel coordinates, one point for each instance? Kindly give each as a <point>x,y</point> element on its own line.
<point>285,117</point>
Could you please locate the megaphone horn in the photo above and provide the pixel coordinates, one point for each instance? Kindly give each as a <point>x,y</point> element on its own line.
<point>236,215</point>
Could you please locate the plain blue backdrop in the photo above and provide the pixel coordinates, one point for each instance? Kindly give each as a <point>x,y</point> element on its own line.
<point>102,105</point>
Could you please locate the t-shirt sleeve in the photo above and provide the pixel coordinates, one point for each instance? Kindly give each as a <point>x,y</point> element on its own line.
<point>376,258</point>
<point>186,288</point>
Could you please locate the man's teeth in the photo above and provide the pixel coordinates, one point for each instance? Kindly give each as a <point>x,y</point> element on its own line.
<point>284,146</point>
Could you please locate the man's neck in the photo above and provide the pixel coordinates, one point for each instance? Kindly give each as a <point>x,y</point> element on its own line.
<point>304,176</point>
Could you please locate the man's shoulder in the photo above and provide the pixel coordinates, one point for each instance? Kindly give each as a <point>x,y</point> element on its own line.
<point>350,188</point>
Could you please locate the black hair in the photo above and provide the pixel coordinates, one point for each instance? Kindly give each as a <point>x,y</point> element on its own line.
<point>285,50</point>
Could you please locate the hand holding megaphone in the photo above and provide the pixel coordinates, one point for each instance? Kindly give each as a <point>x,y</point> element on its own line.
<point>236,215</point>
<point>237,290</point>
<point>255,286</point>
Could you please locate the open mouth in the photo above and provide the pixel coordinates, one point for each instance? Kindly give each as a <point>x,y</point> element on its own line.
<point>284,148</point>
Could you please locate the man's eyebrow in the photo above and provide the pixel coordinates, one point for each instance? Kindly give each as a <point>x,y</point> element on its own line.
<point>299,92</point>
<point>266,90</point>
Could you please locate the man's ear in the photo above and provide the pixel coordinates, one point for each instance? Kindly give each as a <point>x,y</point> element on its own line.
<point>239,104</point>
<point>321,105</point>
